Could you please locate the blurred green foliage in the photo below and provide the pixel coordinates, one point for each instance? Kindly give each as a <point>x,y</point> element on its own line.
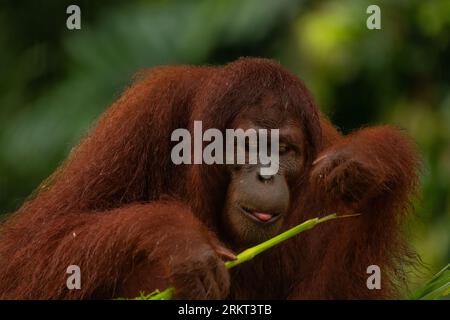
<point>55,82</point>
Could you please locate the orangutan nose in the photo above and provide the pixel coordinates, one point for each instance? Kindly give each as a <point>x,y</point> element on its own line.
<point>265,177</point>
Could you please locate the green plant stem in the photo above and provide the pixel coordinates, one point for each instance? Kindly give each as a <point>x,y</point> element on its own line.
<point>250,253</point>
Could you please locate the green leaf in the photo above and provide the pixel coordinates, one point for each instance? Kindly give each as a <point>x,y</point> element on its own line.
<point>437,287</point>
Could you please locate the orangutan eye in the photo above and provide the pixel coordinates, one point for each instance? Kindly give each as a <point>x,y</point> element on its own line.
<point>284,148</point>
<point>251,146</point>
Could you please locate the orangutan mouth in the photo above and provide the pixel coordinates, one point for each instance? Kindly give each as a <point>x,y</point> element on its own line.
<point>259,215</point>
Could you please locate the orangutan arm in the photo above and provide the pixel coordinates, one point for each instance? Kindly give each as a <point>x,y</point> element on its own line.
<point>121,252</point>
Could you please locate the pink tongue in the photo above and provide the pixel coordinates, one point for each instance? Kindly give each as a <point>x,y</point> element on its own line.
<point>262,216</point>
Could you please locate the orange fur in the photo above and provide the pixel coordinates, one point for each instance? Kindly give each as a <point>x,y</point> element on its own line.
<point>107,210</point>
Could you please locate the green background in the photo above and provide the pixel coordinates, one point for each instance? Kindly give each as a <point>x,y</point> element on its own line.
<point>55,82</point>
